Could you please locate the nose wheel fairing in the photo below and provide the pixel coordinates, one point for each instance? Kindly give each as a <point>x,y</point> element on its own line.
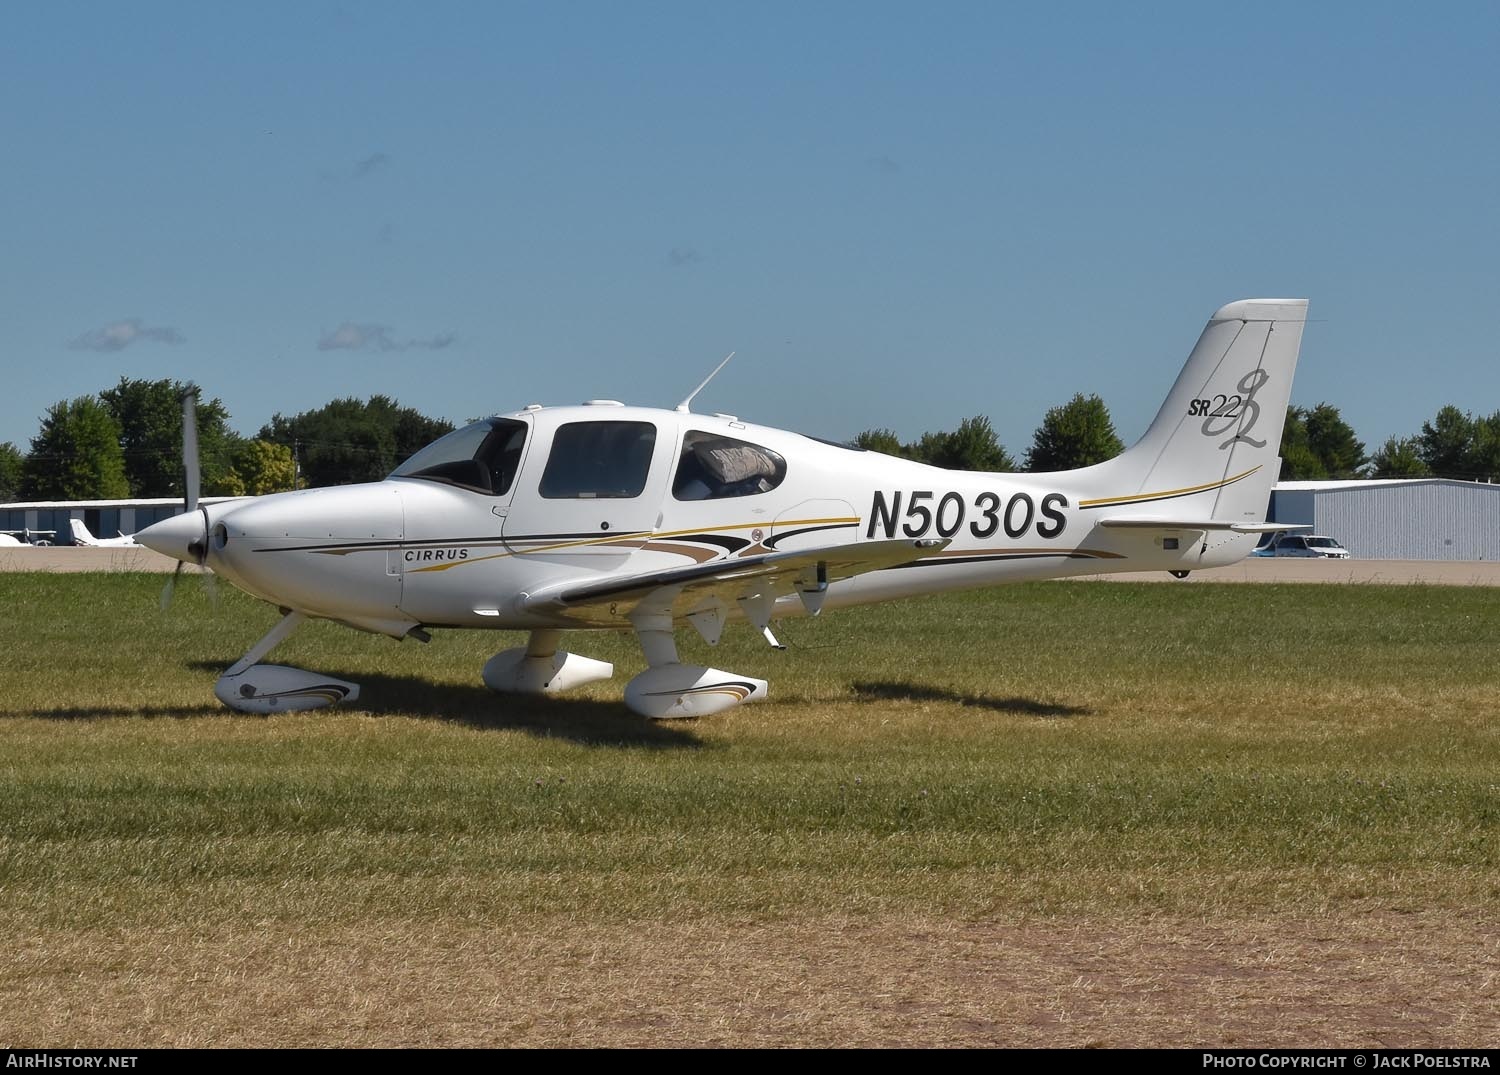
<point>275,688</point>
<point>251,687</point>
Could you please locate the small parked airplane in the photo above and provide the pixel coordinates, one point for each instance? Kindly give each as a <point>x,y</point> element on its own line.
<point>83,536</point>
<point>603,516</point>
<point>17,539</point>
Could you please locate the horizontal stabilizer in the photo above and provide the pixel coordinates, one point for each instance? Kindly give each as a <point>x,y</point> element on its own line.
<point>771,575</point>
<point>1199,524</point>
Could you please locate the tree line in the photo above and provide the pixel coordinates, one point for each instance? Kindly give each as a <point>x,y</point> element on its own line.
<point>1316,444</point>
<point>1077,434</point>
<point>126,442</point>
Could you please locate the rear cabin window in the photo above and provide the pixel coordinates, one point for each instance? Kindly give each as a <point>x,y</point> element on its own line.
<point>603,460</point>
<point>712,467</point>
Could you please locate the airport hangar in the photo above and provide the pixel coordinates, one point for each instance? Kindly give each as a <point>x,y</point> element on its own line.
<point>104,518</point>
<point>1397,519</point>
<point>1386,519</point>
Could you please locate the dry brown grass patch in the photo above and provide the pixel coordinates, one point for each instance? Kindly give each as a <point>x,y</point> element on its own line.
<point>1377,980</point>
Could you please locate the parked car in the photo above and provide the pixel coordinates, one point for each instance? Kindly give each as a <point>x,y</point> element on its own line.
<point>1316,546</point>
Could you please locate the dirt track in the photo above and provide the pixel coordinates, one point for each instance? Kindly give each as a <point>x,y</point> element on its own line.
<point>1389,572</point>
<point>1251,569</point>
<point>70,558</point>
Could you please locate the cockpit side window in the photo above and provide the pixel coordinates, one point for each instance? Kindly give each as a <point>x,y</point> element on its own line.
<point>603,460</point>
<point>713,467</point>
<point>483,457</point>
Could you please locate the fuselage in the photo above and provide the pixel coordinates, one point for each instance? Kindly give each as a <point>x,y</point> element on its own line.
<point>463,532</point>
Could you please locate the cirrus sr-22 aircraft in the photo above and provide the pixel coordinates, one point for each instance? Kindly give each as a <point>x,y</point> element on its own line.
<point>604,516</point>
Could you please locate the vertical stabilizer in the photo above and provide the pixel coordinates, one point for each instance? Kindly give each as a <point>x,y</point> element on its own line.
<point>1213,451</point>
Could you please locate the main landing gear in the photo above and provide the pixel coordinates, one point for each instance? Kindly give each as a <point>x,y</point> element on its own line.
<point>667,689</point>
<point>671,689</point>
<point>539,667</point>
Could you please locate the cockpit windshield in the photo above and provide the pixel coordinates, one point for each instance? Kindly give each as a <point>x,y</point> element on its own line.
<point>483,457</point>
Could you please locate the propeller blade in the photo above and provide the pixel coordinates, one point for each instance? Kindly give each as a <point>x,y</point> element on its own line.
<point>170,588</point>
<point>192,475</point>
<point>191,481</point>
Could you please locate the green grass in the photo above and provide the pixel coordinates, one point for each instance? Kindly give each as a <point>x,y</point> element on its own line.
<point>1050,749</point>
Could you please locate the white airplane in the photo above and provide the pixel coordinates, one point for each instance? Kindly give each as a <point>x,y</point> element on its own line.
<point>82,535</point>
<point>21,539</point>
<point>603,516</point>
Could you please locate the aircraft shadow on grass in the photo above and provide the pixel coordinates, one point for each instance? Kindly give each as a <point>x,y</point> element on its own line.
<point>890,691</point>
<point>107,712</point>
<point>580,720</point>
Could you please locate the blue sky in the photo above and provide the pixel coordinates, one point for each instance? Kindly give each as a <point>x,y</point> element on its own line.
<point>897,215</point>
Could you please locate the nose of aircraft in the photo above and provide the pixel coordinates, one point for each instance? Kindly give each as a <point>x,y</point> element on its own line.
<point>179,537</point>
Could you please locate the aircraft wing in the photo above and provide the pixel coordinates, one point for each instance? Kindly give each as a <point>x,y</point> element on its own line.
<point>1138,523</point>
<point>764,578</point>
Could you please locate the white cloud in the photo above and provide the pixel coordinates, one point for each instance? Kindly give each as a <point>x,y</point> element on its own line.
<point>352,337</point>
<point>119,335</point>
<point>373,163</point>
<point>361,168</point>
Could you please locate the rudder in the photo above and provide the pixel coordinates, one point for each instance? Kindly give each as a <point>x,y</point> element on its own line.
<point>1214,447</point>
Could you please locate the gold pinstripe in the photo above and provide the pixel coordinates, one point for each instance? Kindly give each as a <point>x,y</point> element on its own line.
<point>751,526</point>
<point>617,539</point>
<point>1107,501</point>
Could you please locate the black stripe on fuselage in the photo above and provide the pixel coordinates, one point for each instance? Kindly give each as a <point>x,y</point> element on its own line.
<point>491,541</point>
<point>723,541</point>
<point>771,542</point>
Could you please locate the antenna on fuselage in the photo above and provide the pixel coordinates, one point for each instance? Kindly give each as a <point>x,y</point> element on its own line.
<point>683,406</point>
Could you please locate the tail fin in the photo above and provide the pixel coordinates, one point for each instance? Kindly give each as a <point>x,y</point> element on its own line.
<point>1213,452</point>
<point>81,533</point>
